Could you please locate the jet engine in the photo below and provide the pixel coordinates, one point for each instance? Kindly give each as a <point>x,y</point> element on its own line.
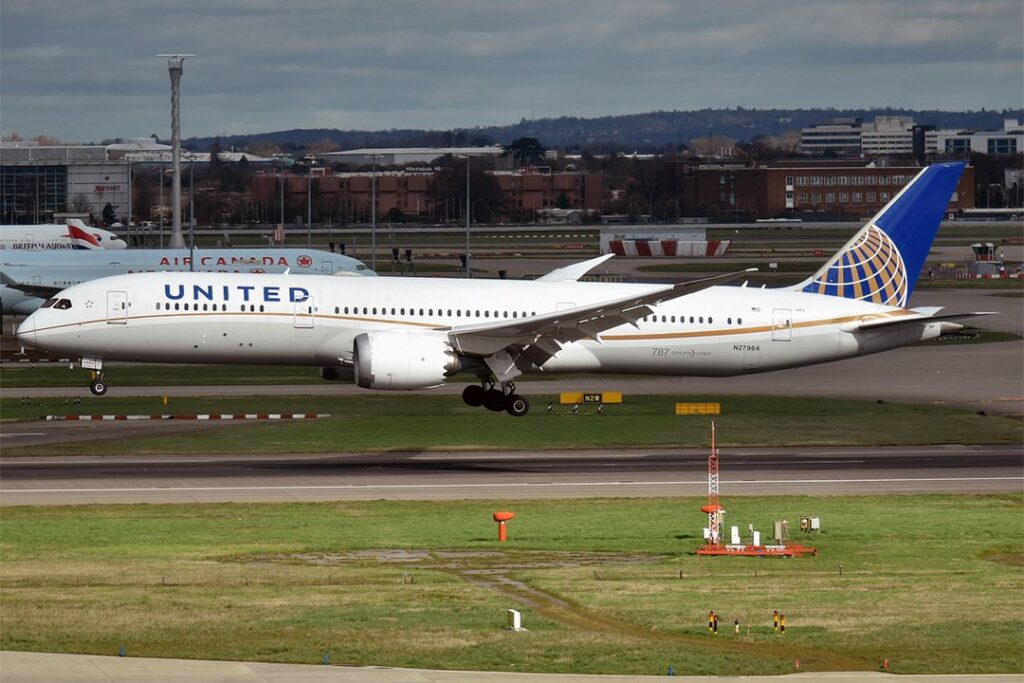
<point>403,360</point>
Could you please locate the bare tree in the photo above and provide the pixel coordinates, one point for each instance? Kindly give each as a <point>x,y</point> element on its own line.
<point>712,146</point>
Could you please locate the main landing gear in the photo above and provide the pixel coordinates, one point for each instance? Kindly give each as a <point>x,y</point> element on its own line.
<point>495,399</point>
<point>98,386</point>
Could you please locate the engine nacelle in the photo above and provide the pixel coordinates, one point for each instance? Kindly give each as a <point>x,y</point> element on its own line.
<point>402,360</point>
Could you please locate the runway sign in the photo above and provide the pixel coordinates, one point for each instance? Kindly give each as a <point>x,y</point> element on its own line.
<point>698,409</point>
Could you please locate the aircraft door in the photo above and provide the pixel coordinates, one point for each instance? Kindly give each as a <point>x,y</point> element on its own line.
<point>117,308</point>
<point>305,313</point>
<point>782,324</point>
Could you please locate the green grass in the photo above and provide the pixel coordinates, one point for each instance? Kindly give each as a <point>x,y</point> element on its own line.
<point>414,423</point>
<point>19,375</point>
<point>932,582</point>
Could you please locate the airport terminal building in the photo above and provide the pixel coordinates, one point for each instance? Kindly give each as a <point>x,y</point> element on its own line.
<point>37,182</point>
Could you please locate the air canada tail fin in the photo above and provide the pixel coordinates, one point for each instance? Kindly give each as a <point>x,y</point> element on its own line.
<point>882,261</point>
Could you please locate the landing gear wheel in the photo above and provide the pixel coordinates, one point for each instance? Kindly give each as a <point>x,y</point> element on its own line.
<point>494,400</point>
<point>98,387</point>
<point>516,405</point>
<point>473,395</point>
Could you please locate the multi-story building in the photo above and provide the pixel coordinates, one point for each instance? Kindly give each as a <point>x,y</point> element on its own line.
<point>1008,141</point>
<point>900,136</point>
<point>839,136</point>
<point>888,135</point>
<point>807,190</point>
<point>38,181</point>
<point>348,196</point>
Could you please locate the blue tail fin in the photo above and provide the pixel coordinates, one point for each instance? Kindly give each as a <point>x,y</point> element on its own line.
<point>882,261</point>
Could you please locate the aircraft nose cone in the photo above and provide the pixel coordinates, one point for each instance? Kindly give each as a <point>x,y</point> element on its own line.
<point>27,331</point>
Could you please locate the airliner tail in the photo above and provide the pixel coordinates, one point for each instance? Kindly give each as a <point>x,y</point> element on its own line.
<point>883,260</point>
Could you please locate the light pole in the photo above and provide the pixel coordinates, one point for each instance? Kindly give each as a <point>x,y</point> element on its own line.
<point>309,206</point>
<point>468,272</point>
<point>129,160</point>
<point>280,226</point>
<point>373,213</point>
<point>162,206</point>
<point>175,66</point>
<point>191,213</point>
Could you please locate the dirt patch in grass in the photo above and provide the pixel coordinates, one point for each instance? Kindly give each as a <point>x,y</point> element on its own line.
<point>1011,556</point>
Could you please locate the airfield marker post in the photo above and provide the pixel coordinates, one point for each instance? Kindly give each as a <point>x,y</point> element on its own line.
<point>501,518</point>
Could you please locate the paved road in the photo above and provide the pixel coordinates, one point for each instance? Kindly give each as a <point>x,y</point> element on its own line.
<point>559,474</point>
<point>30,667</point>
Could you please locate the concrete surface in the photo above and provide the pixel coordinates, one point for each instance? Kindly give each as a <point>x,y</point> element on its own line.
<point>31,667</point>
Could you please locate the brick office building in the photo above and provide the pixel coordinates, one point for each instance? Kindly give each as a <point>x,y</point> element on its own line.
<point>348,196</point>
<point>802,190</point>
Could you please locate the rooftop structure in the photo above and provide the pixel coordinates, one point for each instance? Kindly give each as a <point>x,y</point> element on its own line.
<point>391,156</point>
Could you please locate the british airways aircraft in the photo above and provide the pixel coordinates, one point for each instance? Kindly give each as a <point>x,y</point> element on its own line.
<point>411,333</point>
<point>48,236</point>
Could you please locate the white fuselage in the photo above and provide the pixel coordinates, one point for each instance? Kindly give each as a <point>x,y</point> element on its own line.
<point>224,318</point>
<point>50,236</point>
<point>64,269</point>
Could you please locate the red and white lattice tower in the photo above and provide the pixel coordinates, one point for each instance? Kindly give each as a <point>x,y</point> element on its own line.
<point>713,508</point>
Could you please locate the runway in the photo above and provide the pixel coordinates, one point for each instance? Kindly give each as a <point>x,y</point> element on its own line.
<point>470,475</point>
<point>973,376</point>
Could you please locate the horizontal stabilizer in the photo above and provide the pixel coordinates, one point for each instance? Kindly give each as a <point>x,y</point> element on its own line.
<point>869,324</point>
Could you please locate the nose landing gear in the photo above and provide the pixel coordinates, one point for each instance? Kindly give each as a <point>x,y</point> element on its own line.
<point>496,399</point>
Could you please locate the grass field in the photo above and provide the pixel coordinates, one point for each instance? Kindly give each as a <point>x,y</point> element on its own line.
<point>933,583</point>
<point>411,423</point>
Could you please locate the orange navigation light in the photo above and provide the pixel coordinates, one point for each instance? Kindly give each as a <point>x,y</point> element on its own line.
<point>501,518</point>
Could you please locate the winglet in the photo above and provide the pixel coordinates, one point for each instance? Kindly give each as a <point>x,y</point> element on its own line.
<point>575,271</point>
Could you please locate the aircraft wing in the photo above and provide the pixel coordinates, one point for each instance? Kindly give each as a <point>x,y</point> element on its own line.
<point>915,317</point>
<point>534,340</point>
<point>38,291</point>
<point>574,272</point>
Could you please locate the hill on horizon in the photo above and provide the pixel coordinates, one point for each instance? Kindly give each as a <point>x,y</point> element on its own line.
<point>648,131</point>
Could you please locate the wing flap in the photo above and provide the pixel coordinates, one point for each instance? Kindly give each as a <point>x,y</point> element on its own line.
<point>551,330</point>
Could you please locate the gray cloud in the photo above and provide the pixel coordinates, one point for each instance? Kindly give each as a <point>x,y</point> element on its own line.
<point>78,72</point>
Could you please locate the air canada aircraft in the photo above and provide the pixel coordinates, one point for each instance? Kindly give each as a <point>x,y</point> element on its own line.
<point>28,278</point>
<point>47,236</point>
<point>413,333</point>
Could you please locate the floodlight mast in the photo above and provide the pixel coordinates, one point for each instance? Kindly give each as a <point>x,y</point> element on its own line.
<point>175,65</point>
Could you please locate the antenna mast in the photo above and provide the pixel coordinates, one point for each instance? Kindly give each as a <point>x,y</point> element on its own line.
<point>714,509</point>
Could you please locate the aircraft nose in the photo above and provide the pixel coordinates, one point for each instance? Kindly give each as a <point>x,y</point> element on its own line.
<point>27,331</point>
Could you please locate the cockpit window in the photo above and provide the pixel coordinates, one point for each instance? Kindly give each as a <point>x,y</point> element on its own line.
<point>63,304</point>
<point>48,303</point>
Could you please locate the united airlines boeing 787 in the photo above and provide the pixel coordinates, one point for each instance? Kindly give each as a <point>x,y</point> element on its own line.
<point>412,333</point>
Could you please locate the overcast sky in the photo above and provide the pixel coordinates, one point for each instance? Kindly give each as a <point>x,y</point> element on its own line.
<point>85,71</point>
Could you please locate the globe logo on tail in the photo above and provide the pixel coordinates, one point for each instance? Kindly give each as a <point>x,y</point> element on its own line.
<point>870,268</point>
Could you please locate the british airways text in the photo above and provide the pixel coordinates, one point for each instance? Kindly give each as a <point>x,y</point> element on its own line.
<point>268,294</point>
